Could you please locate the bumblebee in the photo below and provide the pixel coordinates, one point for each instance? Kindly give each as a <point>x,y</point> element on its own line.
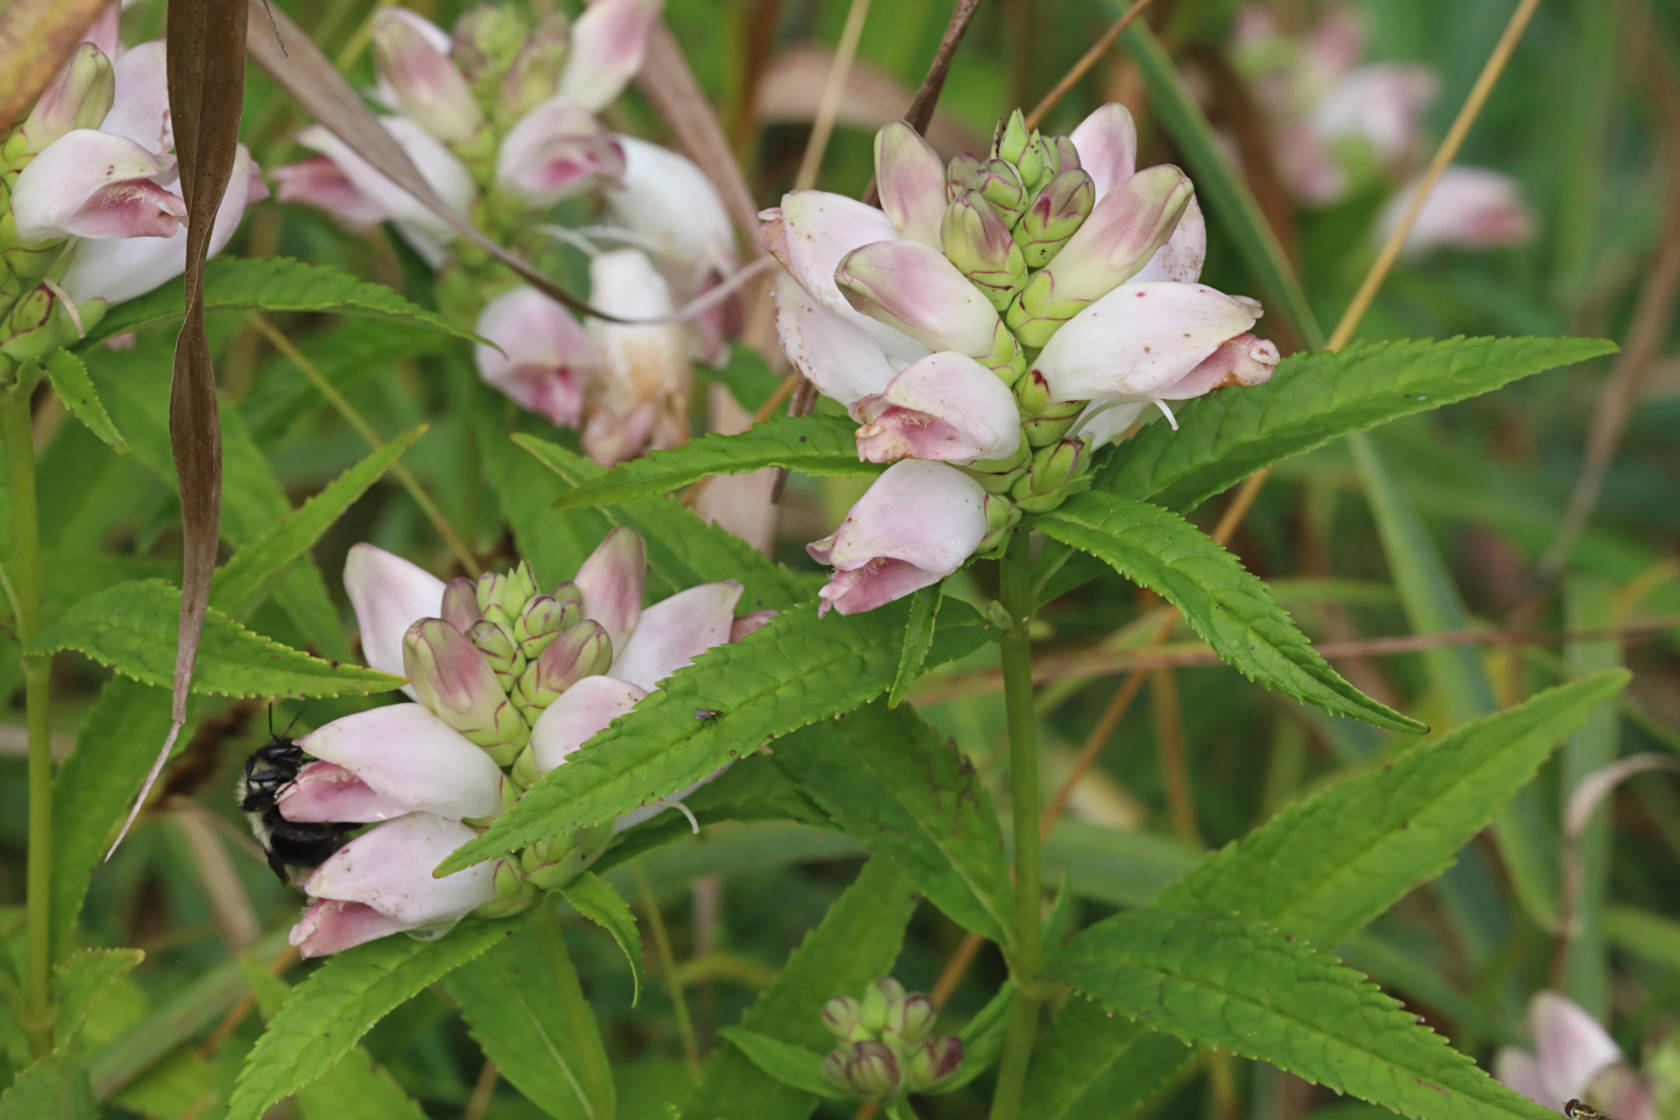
<point>294,848</point>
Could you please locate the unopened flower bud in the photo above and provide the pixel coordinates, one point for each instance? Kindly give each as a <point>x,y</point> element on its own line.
<point>543,618</point>
<point>485,40</point>
<point>996,476</point>
<point>962,175</point>
<point>911,181</point>
<point>1052,424</point>
<point>582,651</point>
<point>522,584</point>
<point>1067,156</point>
<point>1000,184</point>
<point>460,604</point>
<point>909,1020</point>
<point>878,999</point>
<point>452,678</point>
<point>834,1068</point>
<point>514,894</point>
<point>933,1063</point>
<point>1002,515</point>
<point>1125,229</point>
<point>1055,215</point>
<point>39,323</point>
<point>840,1016</point>
<point>79,97</point>
<point>410,56</point>
<point>570,597</point>
<point>534,76</point>
<point>1038,313</point>
<point>979,244</point>
<point>1013,138</point>
<point>1037,164</point>
<point>872,1070</point>
<point>1052,468</point>
<point>491,589</point>
<point>913,288</point>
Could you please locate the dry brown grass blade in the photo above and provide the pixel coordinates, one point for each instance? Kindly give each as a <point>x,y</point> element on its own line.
<point>298,67</point>
<point>206,76</point>
<point>36,36</point>
<point>668,83</point>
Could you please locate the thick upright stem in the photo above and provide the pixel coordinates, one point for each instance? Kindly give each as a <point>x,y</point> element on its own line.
<point>26,583</point>
<point>1016,595</point>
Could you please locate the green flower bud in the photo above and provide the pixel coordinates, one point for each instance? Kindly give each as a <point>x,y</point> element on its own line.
<point>524,768</point>
<point>878,999</point>
<point>996,476</point>
<point>40,323</point>
<point>1042,431</point>
<point>543,618</point>
<point>840,1016</point>
<point>1055,215</point>
<point>1002,515</point>
<point>1036,313</point>
<point>933,1063</point>
<point>1067,156</point>
<point>962,175</point>
<point>79,97</point>
<point>1053,467</point>
<point>976,240</point>
<point>834,1068</point>
<point>872,1070</point>
<point>485,41</point>
<point>534,76</point>
<point>1037,164</point>
<point>571,601</point>
<point>1012,139</point>
<point>500,651</point>
<point>460,604</point>
<point>912,1017</point>
<point>1001,186</point>
<point>514,893</point>
<point>522,585</point>
<point>582,651</point>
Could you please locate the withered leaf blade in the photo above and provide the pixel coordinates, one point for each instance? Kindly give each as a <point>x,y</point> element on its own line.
<point>36,36</point>
<point>298,66</point>
<point>206,77</point>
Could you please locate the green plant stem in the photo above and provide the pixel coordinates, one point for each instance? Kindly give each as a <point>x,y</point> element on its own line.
<point>668,965</point>
<point>900,1110</point>
<point>1015,593</point>
<point>26,577</point>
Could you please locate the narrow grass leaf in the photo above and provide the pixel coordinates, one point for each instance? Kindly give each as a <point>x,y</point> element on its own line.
<point>1221,600</point>
<point>817,445</point>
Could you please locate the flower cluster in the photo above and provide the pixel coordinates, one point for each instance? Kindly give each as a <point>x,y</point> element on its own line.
<point>989,326</point>
<point>886,1045</point>
<point>500,117</point>
<point>1338,127</point>
<point>507,681</point>
<point>1575,1058</point>
<point>93,206</point>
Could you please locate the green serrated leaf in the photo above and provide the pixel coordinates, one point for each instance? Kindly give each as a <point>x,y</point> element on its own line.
<point>794,671</point>
<point>809,444</point>
<point>857,942</point>
<point>1231,609</point>
<point>131,627</point>
<point>354,1087</point>
<point>56,1086</point>
<point>1239,985</point>
<point>340,1001</point>
<point>84,978</point>
<point>525,1009</point>
<point>70,380</point>
<point>273,284</point>
<point>683,550</point>
<point>594,898</point>
<point>345,354</point>
<point>908,792</point>
<point>793,1066</point>
<point>1320,869</point>
<point>918,639</point>
<point>246,578</point>
<point>1313,399</point>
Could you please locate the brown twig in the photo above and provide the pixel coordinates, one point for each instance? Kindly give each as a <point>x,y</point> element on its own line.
<point>1087,60</point>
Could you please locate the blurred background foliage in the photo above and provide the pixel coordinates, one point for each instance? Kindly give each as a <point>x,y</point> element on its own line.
<point>1587,117</point>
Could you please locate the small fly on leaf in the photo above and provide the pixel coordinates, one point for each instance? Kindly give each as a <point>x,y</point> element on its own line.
<point>706,715</point>
<point>1575,1110</point>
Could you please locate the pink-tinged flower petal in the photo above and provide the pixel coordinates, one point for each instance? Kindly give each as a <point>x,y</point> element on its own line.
<point>911,177</point>
<point>1129,226</point>
<point>319,182</point>
<point>94,184</point>
<point>611,583</point>
<point>103,32</point>
<point>411,55</point>
<point>388,595</point>
<point>140,109</point>
<point>1141,338</point>
<point>445,174</point>
<point>675,631</point>
<point>411,758</point>
<point>545,355</point>
<point>325,791</point>
<point>329,927</point>
<point>79,96</point>
<point>1470,208</point>
<point>1107,145</point>
<point>1243,360</point>
<point>389,868</point>
<point>1519,1071</point>
<point>1180,259</point>
<point>1381,104</point>
<point>555,151</point>
<point>582,710</point>
<point>750,624</point>
<point>946,407</point>
<point>1623,1093</point>
<point>456,684</point>
<point>645,373</point>
<point>1337,43</point>
<point>912,288</point>
<point>836,355</point>
<point>914,526</point>
<point>119,270</point>
<point>608,42</point>
<point>674,210</point>
<point>1573,1047</point>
